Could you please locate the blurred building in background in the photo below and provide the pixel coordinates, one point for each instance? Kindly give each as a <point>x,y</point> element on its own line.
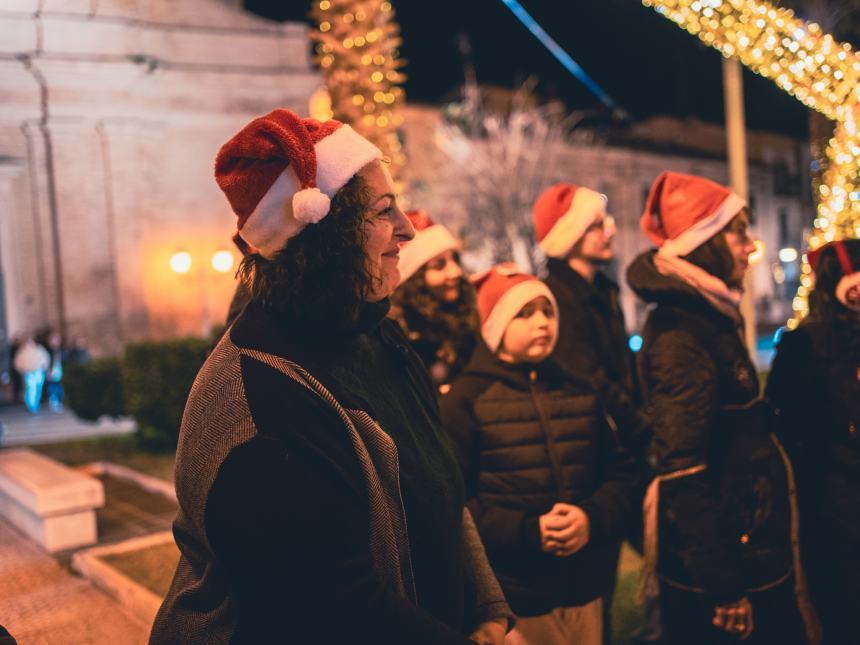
<point>111,114</point>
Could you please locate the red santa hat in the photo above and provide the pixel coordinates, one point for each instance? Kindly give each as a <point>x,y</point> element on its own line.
<point>561,216</point>
<point>684,211</point>
<point>848,287</point>
<point>430,240</point>
<point>280,172</point>
<point>502,292</point>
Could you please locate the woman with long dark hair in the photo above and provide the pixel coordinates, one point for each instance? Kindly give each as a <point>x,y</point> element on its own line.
<point>435,303</point>
<point>721,503</point>
<point>815,385</point>
<point>319,502</point>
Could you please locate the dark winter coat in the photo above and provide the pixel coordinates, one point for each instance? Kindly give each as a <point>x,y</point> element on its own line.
<point>527,437</point>
<point>302,520</point>
<point>814,384</point>
<point>724,530</point>
<point>593,344</point>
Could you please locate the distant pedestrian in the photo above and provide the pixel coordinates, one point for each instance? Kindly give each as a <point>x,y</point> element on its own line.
<point>77,353</point>
<point>815,384</point>
<point>31,361</point>
<point>435,304</point>
<point>54,373</point>
<point>15,376</point>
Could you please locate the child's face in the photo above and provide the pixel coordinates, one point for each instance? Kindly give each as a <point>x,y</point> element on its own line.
<point>530,337</point>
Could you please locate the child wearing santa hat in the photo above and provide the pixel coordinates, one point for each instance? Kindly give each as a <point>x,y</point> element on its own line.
<point>718,517</point>
<point>814,382</point>
<point>435,304</point>
<point>546,481</point>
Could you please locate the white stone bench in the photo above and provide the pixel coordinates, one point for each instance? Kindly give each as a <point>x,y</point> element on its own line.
<point>50,502</point>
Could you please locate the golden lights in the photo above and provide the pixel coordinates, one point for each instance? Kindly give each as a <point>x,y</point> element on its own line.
<point>812,66</point>
<point>357,47</point>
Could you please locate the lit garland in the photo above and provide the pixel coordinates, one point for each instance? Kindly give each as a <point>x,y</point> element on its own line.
<point>357,48</point>
<point>820,72</point>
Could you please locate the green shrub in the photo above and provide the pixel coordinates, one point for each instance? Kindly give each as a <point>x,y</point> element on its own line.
<point>157,377</point>
<point>94,389</point>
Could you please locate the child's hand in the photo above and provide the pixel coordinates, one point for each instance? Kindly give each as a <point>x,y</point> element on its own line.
<point>564,530</point>
<point>491,632</point>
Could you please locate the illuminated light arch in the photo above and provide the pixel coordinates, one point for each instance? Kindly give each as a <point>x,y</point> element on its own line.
<point>812,66</point>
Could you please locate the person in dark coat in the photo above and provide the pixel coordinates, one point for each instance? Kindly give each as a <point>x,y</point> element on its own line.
<point>546,481</point>
<point>435,304</point>
<point>319,501</point>
<point>722,504</point>
<point>576,233</point>
<point>814,383</point>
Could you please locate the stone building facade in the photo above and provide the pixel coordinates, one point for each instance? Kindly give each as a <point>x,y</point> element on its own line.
<point>111,112</point>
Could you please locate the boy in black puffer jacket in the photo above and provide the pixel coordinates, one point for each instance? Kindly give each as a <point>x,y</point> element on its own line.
<point>546,481</point>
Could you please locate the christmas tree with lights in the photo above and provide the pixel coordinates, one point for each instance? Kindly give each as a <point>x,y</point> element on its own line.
<point>357,48</point>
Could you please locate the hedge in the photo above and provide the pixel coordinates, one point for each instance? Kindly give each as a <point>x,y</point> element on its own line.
<point>150,382</point>
<point>156,379</point>
<point>94,389</point>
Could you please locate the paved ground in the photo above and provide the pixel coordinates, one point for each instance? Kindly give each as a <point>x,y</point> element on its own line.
<point>43,604</point>
<point>18,427</point>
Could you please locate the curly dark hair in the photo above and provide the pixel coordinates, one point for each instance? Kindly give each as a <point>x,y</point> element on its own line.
<point>321,278</point>
<point>453,327</point>
<point>824,306</point>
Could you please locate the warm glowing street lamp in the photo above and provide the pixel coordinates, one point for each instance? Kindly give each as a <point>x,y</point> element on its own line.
<point>222,261</point>
<point>180,262</point>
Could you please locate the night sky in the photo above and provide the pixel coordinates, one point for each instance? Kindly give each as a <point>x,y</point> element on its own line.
<point>644,62</point>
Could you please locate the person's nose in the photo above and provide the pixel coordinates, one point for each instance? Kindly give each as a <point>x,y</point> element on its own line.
<point>453,270</point>
<point>540,320</point>
<point>403,229</point>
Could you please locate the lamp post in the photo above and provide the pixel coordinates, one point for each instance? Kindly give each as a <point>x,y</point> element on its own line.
<point>221,261</point>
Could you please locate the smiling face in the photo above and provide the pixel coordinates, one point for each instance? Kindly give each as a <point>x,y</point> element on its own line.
<point>530,336</point>
<point>385,229</point>
<point>442,276</point>
<point>741,245</point>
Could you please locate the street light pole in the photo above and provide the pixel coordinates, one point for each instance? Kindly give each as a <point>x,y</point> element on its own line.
<point>733,96</point>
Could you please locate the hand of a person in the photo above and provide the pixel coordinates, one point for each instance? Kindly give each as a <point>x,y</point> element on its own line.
<point>735,618</point>
<point>491,632</point>
<point>564,530</point>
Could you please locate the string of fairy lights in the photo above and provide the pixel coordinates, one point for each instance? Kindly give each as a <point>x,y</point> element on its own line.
<point>812,66</point>
<point>358,50</point>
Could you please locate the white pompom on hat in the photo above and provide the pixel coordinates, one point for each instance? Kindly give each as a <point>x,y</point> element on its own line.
<point>280,172</point>
<point>430,240</point>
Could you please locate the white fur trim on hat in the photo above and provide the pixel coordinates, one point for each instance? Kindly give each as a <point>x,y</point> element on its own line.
<point>425,246</point>
<point>704,229</point>
<point>286,209</point>
<point>272,223</point>
<point>585,206</point>
<point>509,305</point>
<point>845,285</point>
<point>340,155</point>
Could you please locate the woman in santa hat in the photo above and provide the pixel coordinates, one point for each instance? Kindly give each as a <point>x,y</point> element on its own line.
<point>435,304</point>
<point>815,385</point>
<point>319,502</point>
<point>720,518</point>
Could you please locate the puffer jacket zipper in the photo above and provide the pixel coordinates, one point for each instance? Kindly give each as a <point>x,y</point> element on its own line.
<point>549,438</point>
